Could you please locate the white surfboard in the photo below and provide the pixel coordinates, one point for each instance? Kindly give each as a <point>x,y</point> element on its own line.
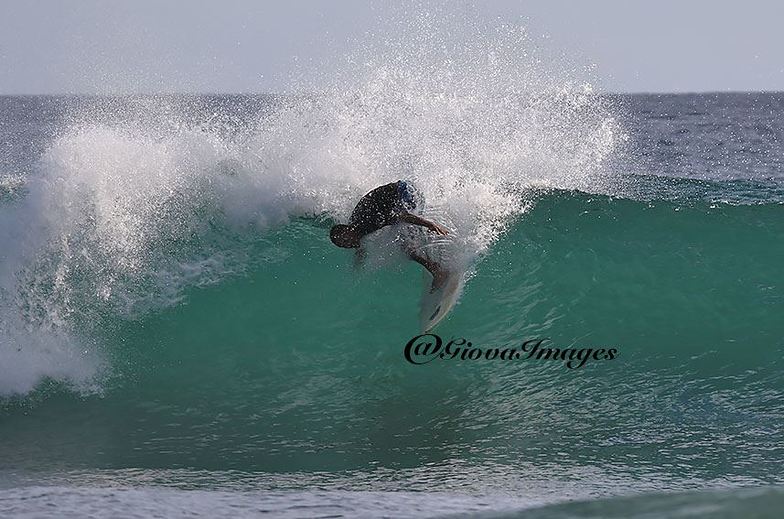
<point>437,304</point>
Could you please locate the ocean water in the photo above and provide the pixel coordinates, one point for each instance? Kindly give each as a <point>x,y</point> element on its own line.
<point>178,337</point>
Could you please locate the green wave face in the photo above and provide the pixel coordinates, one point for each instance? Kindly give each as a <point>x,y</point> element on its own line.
<point>295,363</point>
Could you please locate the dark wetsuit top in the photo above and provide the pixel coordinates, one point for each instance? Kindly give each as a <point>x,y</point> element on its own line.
<point>381,207</point>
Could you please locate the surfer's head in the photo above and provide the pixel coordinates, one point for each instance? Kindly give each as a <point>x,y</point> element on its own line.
<point>344,236</point>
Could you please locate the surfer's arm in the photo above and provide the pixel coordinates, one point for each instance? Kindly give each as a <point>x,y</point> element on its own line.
<point>418,220</point>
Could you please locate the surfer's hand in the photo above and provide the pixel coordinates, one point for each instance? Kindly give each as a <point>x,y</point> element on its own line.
<point>439,229</point>
<point>418,220</point>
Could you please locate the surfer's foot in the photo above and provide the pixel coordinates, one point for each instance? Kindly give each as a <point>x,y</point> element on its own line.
<point>439,279</point>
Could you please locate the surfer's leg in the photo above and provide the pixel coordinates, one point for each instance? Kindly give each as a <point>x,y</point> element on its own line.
<point>438,273</point>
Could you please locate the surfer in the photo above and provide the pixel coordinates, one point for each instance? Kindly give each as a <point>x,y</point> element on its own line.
<point>387,205</point>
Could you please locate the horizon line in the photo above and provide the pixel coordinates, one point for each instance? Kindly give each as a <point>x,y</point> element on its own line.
<point>247,93</point>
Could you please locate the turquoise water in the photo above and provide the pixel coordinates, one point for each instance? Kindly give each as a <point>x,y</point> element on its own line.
<point>263,374</point>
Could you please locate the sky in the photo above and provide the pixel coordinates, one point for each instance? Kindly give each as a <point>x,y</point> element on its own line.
<point>247,46</point>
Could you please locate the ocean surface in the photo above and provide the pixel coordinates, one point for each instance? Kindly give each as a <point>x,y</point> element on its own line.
<point>179,338</point>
